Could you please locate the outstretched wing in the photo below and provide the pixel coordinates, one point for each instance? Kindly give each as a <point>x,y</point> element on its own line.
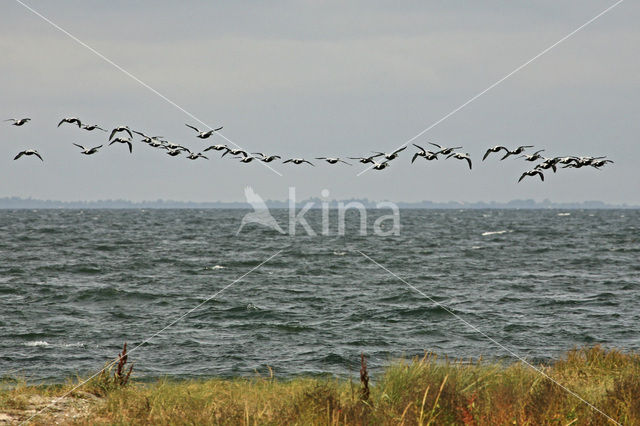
<point>254,199</point>
<point>399,150</point>
<point>194,128</point>
<point>80,146</point>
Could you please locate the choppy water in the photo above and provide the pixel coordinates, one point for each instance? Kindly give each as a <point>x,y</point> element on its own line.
<point>74,285</point>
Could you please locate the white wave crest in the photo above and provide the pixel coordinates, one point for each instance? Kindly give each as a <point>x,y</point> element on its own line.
<point>484,234</point>
<point>37,343</point>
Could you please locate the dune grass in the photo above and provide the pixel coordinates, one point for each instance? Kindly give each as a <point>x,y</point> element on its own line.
<point>421,391</point>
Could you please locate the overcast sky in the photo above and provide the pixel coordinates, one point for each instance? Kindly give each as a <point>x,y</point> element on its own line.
<point>321,78</point>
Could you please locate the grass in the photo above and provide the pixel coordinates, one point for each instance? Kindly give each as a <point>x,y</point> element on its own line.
<point>421,391</point>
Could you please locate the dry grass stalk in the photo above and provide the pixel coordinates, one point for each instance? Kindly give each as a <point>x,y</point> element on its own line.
<point>364,379</point>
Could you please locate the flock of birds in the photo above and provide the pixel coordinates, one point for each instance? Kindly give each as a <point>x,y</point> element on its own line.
<point>378,160</point>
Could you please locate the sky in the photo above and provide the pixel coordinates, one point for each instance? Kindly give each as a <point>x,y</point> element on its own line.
<point>320,78</point>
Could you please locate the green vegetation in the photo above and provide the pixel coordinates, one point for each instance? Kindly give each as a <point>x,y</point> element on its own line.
<point>416,392</point>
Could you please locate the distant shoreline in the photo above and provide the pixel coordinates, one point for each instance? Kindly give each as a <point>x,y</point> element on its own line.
<point>18,203</point>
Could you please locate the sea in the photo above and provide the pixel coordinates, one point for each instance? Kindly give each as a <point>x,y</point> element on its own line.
<point>193,298</point>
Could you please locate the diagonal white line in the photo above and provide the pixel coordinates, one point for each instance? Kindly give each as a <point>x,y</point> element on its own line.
<point>485,335</point>
<point>147,340</point>
<point>503,79</point>
<point>142,83</point>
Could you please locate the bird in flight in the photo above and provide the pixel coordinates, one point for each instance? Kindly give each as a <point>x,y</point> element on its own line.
<point>532,173</point>
<point>19,121</point>
<point>496,148</point>
<point>461,156</point>
<point>235,152</point>
<point>202,134</point>
<point>518,150</point>
<point>532,157</point>
<point>123,140</point>
<point>71,120</point>
<point>28,152</point>
<point>389,156</point>
<point>381,166</point>
<point>332,160</point>
<point>298,161</point>
<point>218,147</point>
<point>92,127</point>
<point>193,156</point>
<point>266,158</point>
<point>427,155</point>
<point>88,151</point>
<point>445,151</point>
<point>148,139</point>
<point>120,129</point>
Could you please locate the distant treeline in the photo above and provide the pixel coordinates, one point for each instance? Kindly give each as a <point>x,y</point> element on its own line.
<point>31,203</point>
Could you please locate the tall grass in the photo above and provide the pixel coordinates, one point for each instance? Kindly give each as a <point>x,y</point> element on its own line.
<point>421,391</point>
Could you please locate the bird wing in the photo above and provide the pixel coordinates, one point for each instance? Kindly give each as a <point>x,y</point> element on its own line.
<point>37,154</point>
<point>130,147</point>
<point>419,147</point>
<point>62,121</point>
<point>139,133</point>
<point>541,175</point>
<point>306,161</point>
<point>218,129</point>
<point>435,144</point>
<point>486,154</point>
<point>113,133</point>
<point>20,154</point>
<point>128,131</point>
<point>288,161</point>
<point>79,146</point>
<point>522,177</point>
<point>399,150</point>
<point>194,128</point>
<point>469,161</point>
<point>342,161</point>
<point>97,147</point>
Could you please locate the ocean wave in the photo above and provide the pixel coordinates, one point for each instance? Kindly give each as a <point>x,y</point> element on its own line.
<point>484,234</point>
<point>36,343</point>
